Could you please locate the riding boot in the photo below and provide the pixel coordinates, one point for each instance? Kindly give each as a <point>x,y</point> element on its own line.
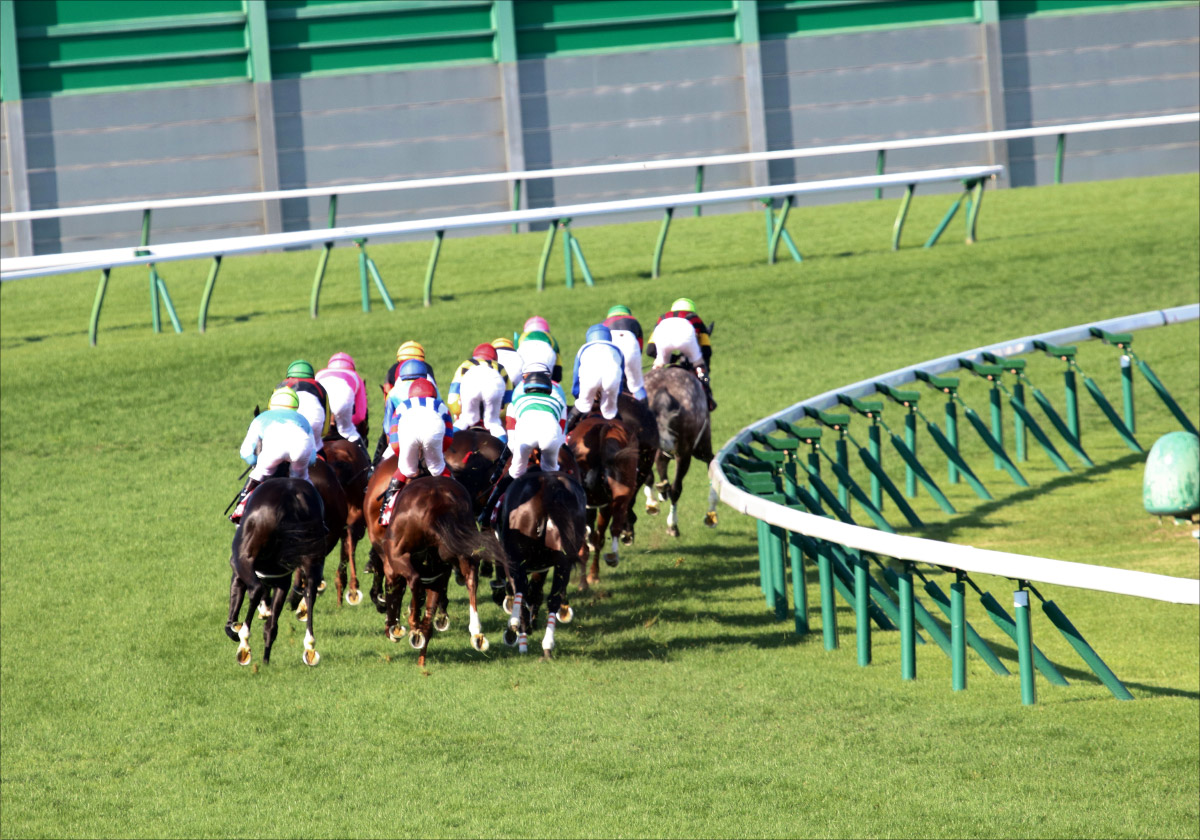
<point>503,484</point>
<point>389,499</point>
<point>702,375</point>
<point>380,447</point>
<point>240,508</point>
<point>573,418</point>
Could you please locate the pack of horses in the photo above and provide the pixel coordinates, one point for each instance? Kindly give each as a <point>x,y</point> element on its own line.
<point>546,524</point>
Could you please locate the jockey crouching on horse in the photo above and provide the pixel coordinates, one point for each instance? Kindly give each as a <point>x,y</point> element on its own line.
<point>480,392</point>
<point>680,330</point>
<point>314,401</point>
<point>627,335</point>
<point>536,420</point>
<point>509,359</point>
<point>421,427</point>
<point>284,435</point>
<point>347,396</point>
<point>599,375</point>
<point>411,372</point>
<point>543,347</point>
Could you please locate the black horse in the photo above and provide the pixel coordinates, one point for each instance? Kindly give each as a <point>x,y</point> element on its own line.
<point>542,527</point>
<point>281,532</point>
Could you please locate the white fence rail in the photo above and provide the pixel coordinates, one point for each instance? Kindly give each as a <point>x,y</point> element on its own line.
<point>947,555</point>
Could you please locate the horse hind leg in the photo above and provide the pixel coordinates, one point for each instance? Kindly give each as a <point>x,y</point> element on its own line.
<point>237,594</point>
<point>710,516</point>
<point>310,656</point>
<point>271,627</point>
<point>353,594</point>
<point>474,626</point>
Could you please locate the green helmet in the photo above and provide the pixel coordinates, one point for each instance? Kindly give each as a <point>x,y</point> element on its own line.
<point>535,335</point>
<point>619,310</point>
<point>284,398</point>
<point>300,369</point>
<point>683,305</point>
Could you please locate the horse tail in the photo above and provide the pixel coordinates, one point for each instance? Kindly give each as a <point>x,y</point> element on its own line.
<point>287,523</point>
<point>665,407</point>
<point>461,540</point>
<point>619,455</point>
<point>562,497</point>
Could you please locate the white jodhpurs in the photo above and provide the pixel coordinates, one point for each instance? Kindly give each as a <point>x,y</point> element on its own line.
<point>481,395</point>
<point>341,406</point>
<point>284,442</point>
<point>599,382</point>
<point>628,344</point>
<point>420,434</point>
<point>312,411</point>
<point>538,429</point>
<point>539,352</point>
<point>676,335</point>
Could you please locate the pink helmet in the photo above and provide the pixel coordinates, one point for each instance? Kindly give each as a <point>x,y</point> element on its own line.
<point>341,361</point>
<point>537,322</point>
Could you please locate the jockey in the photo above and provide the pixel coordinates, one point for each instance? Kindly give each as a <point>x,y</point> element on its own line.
<point>536,419</point>
<point>347,396</point>
<point>599,373</point>
<point>285,436</point>
<point>627,335</point>
<point>537,347</point>
<point>420,428</point>
<point>509,358</point>
<point>407,350</point>
<point>314,401</point>
<point>480,392</point>
<point>680,330</point>
<point>411,372</point>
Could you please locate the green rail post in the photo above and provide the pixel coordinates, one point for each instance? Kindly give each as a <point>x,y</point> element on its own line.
<point>769,215</point>
<point>898,225</point>
<point>1060,427</point>
<point>997,417</point>
<point>1165,396</point>
<point>862,618</point>
<point>577,250</point>
<point>958,635</point>
<point>1001,619</point>
<point>1070,388</point>
<point>945,222</point>
<point>94,323</point>
<point>362,275</point>
<point>874,445</point>
<point>773,243</point>
<point>921,615</point>
<point>323,261</point>
<point>155,313</point>
<point>1085,651</point>
<point>796,546</point>
<point>908,647</point>
<point>843,461</point>
<point>1058,158</point>
<point>952,475</point>
<point>973,212</point>
<point>167,302</point>
<point>1019,436</point>
<point>383,292</point>
<point>1127,392</point>
<point>202,321</point>
<point>1067,354</point>
<point>1024,647</point>
<point>516,201</point>
<point>910,440</point>
<point>662,239</point>
<point>828,607</point>
<point>778,543</point>
<point>974,640</point>
<point>699,188</point>
<point>764,572</point>
<point>432,266</point>
<point>879,159</point>
<point>549,244</point>
<point>568,265</point>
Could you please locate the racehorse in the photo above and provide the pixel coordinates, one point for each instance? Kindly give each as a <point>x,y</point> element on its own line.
<point>643,427</point>
<point>432,534</point>
<point>282,531</point>
<point>607,458</point>
<point>352,468</point>
<point>323,477</point>
<point>472,457</point>
<point>542,526</point>
<point>681,408</point>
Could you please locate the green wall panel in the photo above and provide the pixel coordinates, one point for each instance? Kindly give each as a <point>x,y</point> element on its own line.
<point>133,74</point>
<point>58,12</point>
<point>551,27</point>
<point>1024,8</point>
<point>366,58</point>
<point>589,11</point>
<point>131,45</point>
<point>781,18</point>
<point>550,42</point>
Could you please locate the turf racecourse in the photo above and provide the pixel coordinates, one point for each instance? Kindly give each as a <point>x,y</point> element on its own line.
<point>676,706</point>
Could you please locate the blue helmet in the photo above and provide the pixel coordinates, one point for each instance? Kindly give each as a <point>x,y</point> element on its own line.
<point>414,369</point>
<point>598,332</point>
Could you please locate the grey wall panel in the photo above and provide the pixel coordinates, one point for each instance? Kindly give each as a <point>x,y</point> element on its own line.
<point>104,111</point>
<point>680,66</point>
<point>7,231</point>
<point>178,141</point>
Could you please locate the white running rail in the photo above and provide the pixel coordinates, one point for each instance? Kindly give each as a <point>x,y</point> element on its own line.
<point>947,555</point>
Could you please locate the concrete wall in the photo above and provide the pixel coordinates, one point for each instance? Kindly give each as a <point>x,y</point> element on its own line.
<point>568,111</point>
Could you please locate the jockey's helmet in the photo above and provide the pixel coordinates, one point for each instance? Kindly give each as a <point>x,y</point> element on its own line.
<point>502,343</point>
<point>619,310</point>
<point>300,369</point>
<point>537,382</point>
<point>341,361</point>
<point>683,305</point>
<point>484,351</point>
<point>409,350</point>
<point>537,322</point>
<point>413,369</point>
<point>598,332</point>
<point>535,335</point>
<point>284,398</point>
<point>421,388</point>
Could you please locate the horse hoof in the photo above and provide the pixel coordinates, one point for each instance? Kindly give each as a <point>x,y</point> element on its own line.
<point>231,630</point>
<point>480,642</point>
<point>302,612</point>
<point>264,611</point>
<point>652,509</point>
<point>321,588</point>
<point>589,580</point>
<point>627,538</point>
<point>354,597</point>
<point>243,654</point>
<point>441,622</point>
<point>565,615</point>
<point>507,605</point>
<point>672,531</point>
<point>710,519</point>
<point>509,637</point>
<point>611,560</point>
<point>310,657</point>
<point>417,639</point>
<point>396,632</point>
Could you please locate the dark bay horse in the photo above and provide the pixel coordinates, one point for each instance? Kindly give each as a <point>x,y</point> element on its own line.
<point>282,531</point>
<point>542,526</point>
<point>607,459</point>
<point>643,427</point>
<point>432,535</point>
<point>325,480</point>
<point>353,470</point>
<point>472,457</point>
<point>679,403</point>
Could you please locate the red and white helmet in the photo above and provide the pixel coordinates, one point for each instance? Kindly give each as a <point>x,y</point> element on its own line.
<point>484,351</point>
<point>341,361</point>
<point>421,388</point>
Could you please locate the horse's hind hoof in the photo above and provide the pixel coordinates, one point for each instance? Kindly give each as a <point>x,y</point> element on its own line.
<point>321,588</point>
<point>611,560</point>
<point>672,531</point>
<point>310,658</point>
<point>417,639</point>
<point>710,519</point>
<point>441,622</point>
<point>354,597</point>
<point>627,538</point>
<point>302,612</point>
<point>231,630</point>
<point>243,654</point>
<point>396,632</point>
<point>652,509</point>
<point>264,611</point>
<point>509,637</point>
<point>480,642</point>
<point>507,605</point>
<point>565,614</point>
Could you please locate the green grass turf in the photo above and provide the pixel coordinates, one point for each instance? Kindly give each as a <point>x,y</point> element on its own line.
<point>676,706</point>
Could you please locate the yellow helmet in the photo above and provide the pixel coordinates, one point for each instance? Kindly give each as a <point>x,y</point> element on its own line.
<point>505,343</point>
<point>284,398</point>
<point>410,350</point>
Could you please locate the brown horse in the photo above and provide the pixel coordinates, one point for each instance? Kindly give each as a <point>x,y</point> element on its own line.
<point>281,532</point>
<point>542,526</point>
<point>352,467</point>
<point>643,427</point>
<point>323,477</point>
<point>607,459</point>
<point>681,408</point>
<point>432,534</point>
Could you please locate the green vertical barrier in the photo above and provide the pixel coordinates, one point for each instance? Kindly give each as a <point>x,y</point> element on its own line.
<point>880,157</point>
<point>516,201</point>
<point>699,187</point>
<point>828,607</point>
<point>1127,393</point>
<point>958,635</point>
<point>567,257</point>
<point>362,275</point>
<point>1019,436</point>
<point>945,221</point>
<point>881,479</point>
<point>1005,462</point>
<point>1107,410</point>
<point>952,457</point>
<point>318,279</point>
<point>973,210</point>
<point>1085,651</point>
<point>577,250</point>
<point>662,239</point>
<point>94,322</point>
<point>166,299</point>
<point>1024,647</point>
<point>1060,427</point>
<point>1059,149</point>
<point>908,647</point>
<point>910,440</point>
<point>952,438</point>
<point>383,292</point>
<point>778,543</point>
<point>922,615</point>
<point>873,443</point>
<point>778,228</point>
<point>862,625</point>
<point>545,260</point>
<point>799,584</point>
<point>432,267</point>
<point>764,572</point>
<point>1165,396</point>
<point>843,461</point>
<point>208,290</point>
<point>155,314</point>
<point>1071,392</point>
<point>997,423</point>
<point>1020,412</point>
<point>898,225</point>
<point>881,609</point>
<point>974,640</point>
<point>1002,620</point>
<point>919,472</point>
